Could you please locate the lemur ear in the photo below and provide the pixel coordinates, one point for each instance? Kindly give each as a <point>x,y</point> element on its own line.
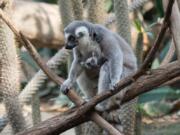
<point>96,37</point>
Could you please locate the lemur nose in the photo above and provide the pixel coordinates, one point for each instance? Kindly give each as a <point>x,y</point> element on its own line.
<point>93,61</point>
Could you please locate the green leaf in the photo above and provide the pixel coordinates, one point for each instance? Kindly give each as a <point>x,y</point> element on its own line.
<point>108,5</point>
<point>155,64</point>
<point>138,25</point>
<point>159,94</point>
<point>156,108</point>
<point>159,7</point>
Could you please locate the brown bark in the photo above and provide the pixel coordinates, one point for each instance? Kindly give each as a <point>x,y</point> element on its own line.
<point>143,84</point>
<point>59,123</point>
<point>175,106</point>
<point>175,82</point>
<point>40,23</point>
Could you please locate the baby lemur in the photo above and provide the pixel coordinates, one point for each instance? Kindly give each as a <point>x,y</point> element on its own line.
<point>93,61</point>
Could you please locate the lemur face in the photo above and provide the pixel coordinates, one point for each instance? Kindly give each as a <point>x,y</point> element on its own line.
<point>70,41</point>
<point>79,36</point>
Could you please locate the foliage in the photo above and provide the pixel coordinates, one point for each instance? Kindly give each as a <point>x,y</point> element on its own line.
<point>109,5</point>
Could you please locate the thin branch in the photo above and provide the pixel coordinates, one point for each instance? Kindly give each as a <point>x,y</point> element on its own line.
<point>175,106</point>
<point>152,53</point>
<point>172,82</point>
<point>71,94</point>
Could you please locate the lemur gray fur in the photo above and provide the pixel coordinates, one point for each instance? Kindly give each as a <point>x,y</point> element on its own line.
<point>101,58</point>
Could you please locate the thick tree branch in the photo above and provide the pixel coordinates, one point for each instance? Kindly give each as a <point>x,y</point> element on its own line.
<point>59,123</point>
<point>173,82</point>
<point>143,84</point>
<point>175,106</point>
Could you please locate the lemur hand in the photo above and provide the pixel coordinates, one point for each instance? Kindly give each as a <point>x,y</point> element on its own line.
<point>113,84</point>
<point>66,86</point>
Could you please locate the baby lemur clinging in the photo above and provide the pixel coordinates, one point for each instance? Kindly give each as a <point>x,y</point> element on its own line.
<point>93,61</point>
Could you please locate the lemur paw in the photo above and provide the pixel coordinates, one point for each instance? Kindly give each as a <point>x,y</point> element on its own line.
<point>103,106</point>
<point>66,86</point>
<point>100,108</point>
<point>113,86</point>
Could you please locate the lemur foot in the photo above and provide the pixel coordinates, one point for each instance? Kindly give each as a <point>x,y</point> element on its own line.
<point>113,85</point>
<point>102,107</point>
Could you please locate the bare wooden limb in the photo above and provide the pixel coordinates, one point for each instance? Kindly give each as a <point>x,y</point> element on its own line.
<point>162,77</point>
<point>100,121</point>
<point>143,84</point>
<point>59,123</point>
<point>71,94</point>
<point>172,82</point>
<point>175,106</point>
<point>174,25</point>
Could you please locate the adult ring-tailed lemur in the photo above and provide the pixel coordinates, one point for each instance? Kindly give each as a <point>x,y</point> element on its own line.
<point>101,58</point>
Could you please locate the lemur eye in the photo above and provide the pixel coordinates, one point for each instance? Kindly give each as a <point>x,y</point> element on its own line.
<point>80,34</point>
